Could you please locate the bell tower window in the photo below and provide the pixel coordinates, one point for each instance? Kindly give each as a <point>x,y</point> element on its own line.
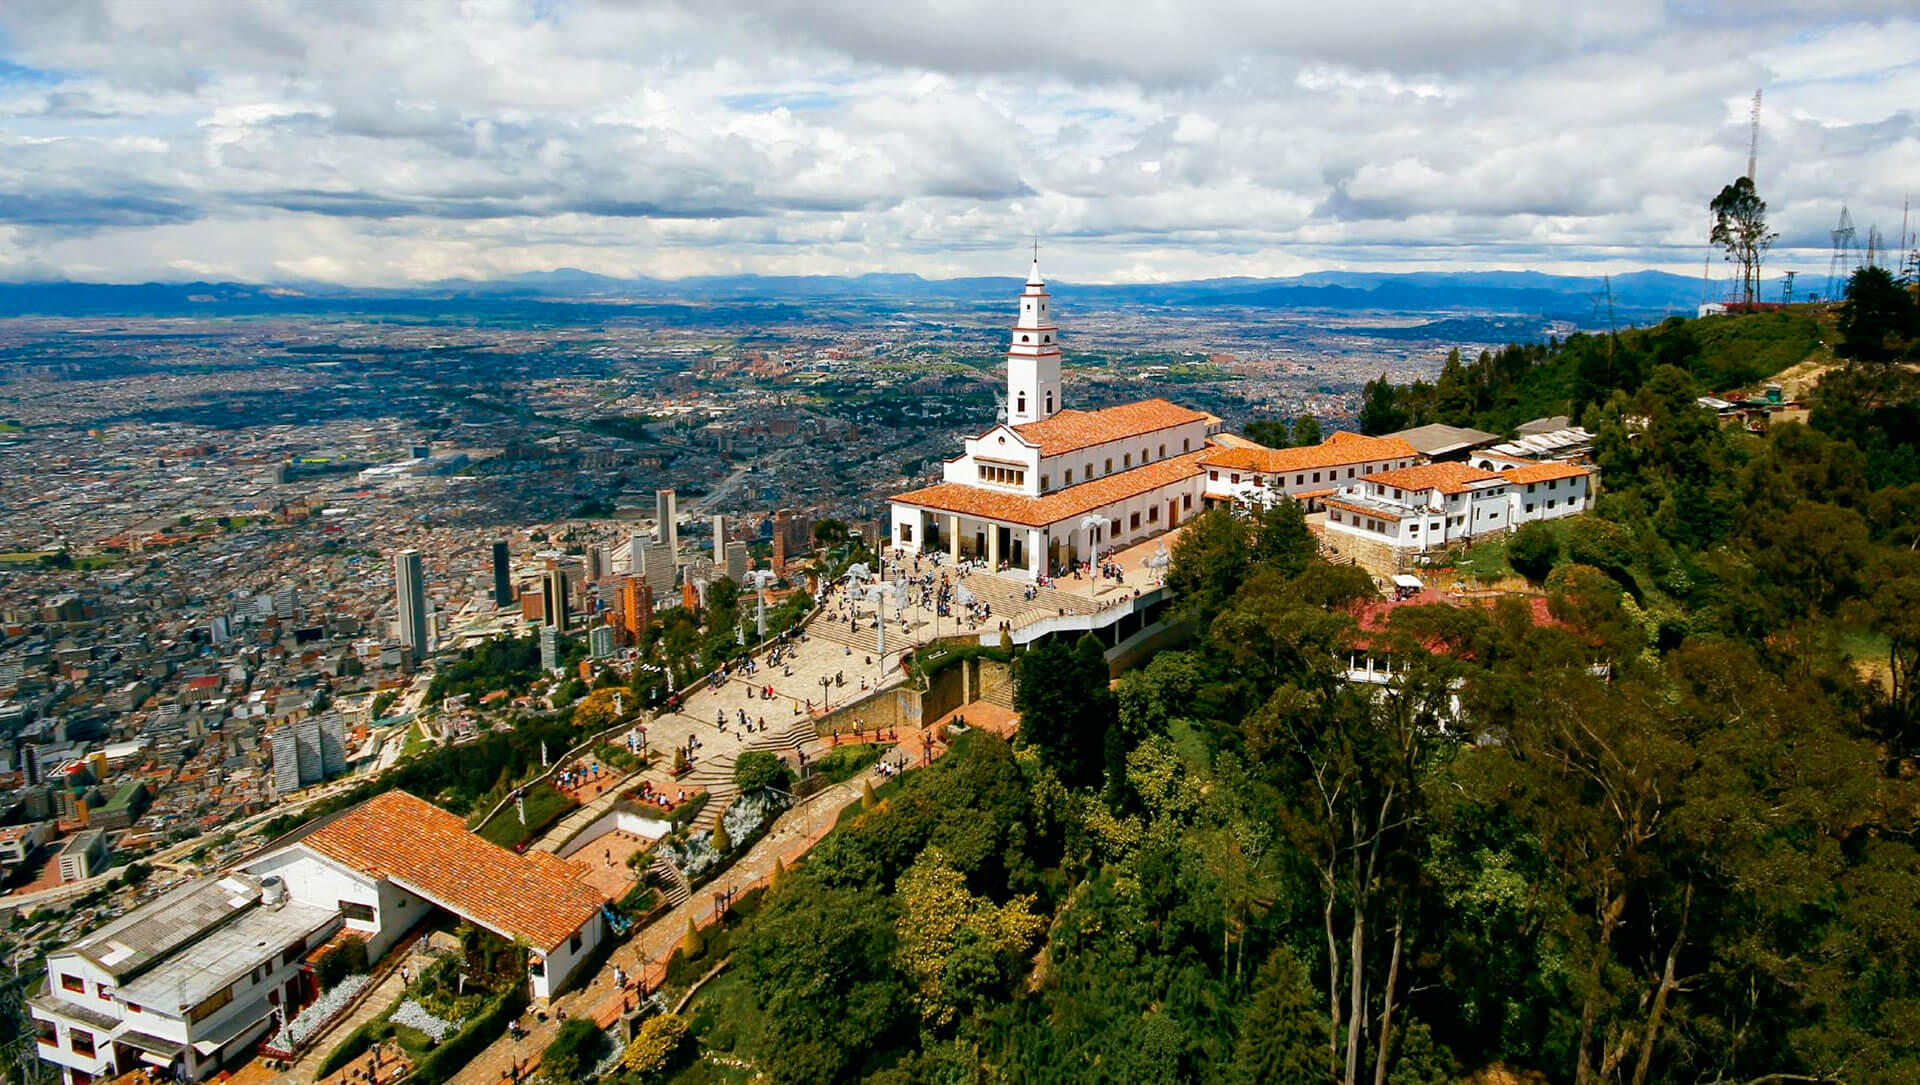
<point>1022,403</point>
<point>1049,402</point>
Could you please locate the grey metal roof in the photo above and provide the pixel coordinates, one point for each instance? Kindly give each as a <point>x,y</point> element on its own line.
<point>1436,439</point>
<point>125,947</point>
<point>188,977</point>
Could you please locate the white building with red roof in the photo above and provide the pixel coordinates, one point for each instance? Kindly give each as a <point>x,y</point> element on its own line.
<point>1431,506</point>
<point>1050,485</point>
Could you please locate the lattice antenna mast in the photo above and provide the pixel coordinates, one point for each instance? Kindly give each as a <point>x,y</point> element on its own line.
<point>1840,268</point>
<point>1753,140</point>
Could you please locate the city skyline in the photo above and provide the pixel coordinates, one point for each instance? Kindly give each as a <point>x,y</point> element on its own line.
<point>398,144</point>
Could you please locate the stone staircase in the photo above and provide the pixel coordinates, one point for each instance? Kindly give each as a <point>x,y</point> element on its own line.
<point>796,737</point>
<point>714,776</point>
<point>673,885</point>
<point>1008,599</point>
<point>1001,695</point>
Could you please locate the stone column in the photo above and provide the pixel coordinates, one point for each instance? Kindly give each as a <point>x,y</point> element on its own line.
<point>953,538</point>
<point>1036,553</point>
<point>993,546</point>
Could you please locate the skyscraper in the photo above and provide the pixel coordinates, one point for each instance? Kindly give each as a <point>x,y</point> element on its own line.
<point>410,592</point>
<point>666,520</point>
<point>549,648</point>
<point>554,599</point>
<point>636,605</point>
<point>502,575</point>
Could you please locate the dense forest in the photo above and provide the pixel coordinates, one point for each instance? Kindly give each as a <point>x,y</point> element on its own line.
<point>1659,829</point>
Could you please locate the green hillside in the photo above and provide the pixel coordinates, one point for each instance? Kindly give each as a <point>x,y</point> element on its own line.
<point>1662,832</point>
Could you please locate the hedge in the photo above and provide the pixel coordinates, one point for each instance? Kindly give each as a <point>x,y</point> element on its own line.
<point>488,1025</point>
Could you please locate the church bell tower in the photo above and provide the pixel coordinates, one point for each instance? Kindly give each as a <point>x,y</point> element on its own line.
<point>1033,361</point>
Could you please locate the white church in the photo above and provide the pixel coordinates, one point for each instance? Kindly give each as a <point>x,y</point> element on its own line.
<point>1049,485</point>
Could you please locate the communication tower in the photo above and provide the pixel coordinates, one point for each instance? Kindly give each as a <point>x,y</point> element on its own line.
<point>1840,268</point>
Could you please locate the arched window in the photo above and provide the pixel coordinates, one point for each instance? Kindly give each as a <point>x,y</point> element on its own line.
<point>1049,402</point>
<point>1022,403</point>
<point>1026,339</point>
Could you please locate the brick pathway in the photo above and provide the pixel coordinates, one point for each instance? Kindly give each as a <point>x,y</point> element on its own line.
<point>796,832</point>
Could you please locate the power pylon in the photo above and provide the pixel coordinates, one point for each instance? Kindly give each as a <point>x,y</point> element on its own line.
<point>1840,268</point>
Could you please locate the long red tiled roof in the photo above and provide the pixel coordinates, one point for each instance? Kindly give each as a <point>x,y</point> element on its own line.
<point>1011,508</point>
<point>1448,478</point>
<point>1069,431</point>
<point>1544,472</point>
<point>1336,451</point>
<point>423,848</point>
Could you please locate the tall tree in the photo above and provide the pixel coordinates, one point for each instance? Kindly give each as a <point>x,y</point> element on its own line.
<point>1878,318</point>
<point>1380,411</point>
<point>1740,227</point>
<point>1271,432</point>
<point>1306,430</point>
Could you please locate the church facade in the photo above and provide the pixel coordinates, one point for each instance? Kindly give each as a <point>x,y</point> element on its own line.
<point>1050,486</point>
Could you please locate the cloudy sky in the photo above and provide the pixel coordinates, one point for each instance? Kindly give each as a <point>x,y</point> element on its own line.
<point>411,140</point>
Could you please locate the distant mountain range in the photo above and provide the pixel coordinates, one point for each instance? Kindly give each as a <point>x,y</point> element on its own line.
<point>1637,296</point>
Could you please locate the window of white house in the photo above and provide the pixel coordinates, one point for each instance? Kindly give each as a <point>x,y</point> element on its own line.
<point>1134,522</point>
<point>1163,452</point>
<point>1235,477</point>
<point>1186,444</point>
<point>1529,507</point>
<point>1022,408</point>
<point>1186,501</point>
<point>906,532</point>
<point>1044,487</point>
<point>356,911</point>
<point>1213,476</point>
<point>1108,470</point>
<point>81,1042</point>
<point>1069,476</point>
<point>1153,515</point>
<point>1049,402</point>
<point>1126,461</point>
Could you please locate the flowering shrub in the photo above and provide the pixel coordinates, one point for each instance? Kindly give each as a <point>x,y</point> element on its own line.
<point>309,1021</point>
<point>415,1016</point>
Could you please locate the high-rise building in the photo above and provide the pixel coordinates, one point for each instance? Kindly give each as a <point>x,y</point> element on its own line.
<point>286,603</point>
<point>736,565</point>
<point>554,611</point>
<point>286,761</point>
<point>410,592</point>
<point>636,605</point>
<point>600,641</point>
<point>596,565</point>
<point>549,648</point>
<point>719,541</point>
<point>333,745</point>
<point>502,575</point>
<point>666,521</point>
<point>658,567</point>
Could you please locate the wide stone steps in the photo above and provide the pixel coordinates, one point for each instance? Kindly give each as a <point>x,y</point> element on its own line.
<point>1001,695</point>
<point>793,739</point>
<point>673,886</point>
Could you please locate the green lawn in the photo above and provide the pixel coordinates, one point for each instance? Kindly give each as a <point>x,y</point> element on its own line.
<point>1485,561</point>
<point>416,740</point>
<point>843,763</point>
<point>545,805</point>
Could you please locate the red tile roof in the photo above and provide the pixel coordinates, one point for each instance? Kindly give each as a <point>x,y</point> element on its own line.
<point>1338,450</point>
<point>1545,472</point>
<point>1069,431</point>
<point>1074,501</point>
<point>1448,478</point>
<point>428,851</point>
